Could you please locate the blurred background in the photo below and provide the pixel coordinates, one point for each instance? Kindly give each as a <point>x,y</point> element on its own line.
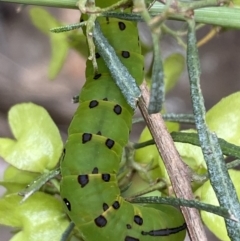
<point>25,54</point>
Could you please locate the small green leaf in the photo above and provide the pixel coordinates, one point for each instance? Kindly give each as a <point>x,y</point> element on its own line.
<point>173,67</point>
<point>236,3</point>
<point>192,155</point>
<point>59,42</point>
<point>39,218</point>
<point>43,20</point>
<point>224,118</point>
<point>206,194</point>
<point>12,187</point>
<point>12,174</point>
<point>37,145</point>
<point>59,49</point>
<point>149,155</point>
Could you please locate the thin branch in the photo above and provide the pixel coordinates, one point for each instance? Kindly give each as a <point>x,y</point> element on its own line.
<point>177,170</point>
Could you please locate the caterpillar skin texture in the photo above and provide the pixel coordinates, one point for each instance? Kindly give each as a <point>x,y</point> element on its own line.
<point>97,134</point>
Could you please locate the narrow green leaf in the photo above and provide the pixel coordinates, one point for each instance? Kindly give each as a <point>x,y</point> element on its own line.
<point>177,202</point>
<point>119,72</point>
<point>217,170</point>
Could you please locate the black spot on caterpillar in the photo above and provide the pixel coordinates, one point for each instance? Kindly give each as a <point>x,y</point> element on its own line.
<point>121,25</point>
<point>138,220</point>
<point>97,135</point>
<point>117,109</point>
<point>128,226</point>
<point>86,137</point>
<point>83,180</point>
<point>106,177</point>
<point>100,221</point>
<point>105,207</point>
<point>125,54</point>
<point>67,203</point>
<point>116,205</point>
<point>97,76</point>
<point>109,143</point>
<point>128,238</point>
<point>95,170</point>
<point>93,103</point>
<point>97,55</point>
<point>164,232</point>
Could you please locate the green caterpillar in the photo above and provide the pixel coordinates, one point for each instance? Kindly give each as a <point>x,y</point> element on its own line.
<point>97,135</point>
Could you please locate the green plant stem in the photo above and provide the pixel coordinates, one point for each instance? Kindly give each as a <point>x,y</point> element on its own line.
<point>174,34</point>
<point>228,149</point>
<point>200,4</point>
<point>182,118</point>
<point>186,203</point>
<point>160,185</point>
<point>220,16</point>
<point>72,4</point>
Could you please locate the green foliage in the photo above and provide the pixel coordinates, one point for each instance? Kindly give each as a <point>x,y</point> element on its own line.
<point>37,144</point>
<point>39,218</point>
<point>172,74</point>
<point>149,155</point>
<point>223,119</point>
<point>206,194</point>
<point>15,180</point>
<point>59,46</point>
<point>60,43</point>
<point>37,148</point>
<point>236,3</point>
<point>39,127</point>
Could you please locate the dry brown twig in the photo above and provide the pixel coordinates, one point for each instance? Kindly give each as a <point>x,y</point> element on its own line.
<point>176,168</point>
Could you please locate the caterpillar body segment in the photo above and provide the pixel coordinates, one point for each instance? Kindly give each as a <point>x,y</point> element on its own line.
<point>97,135</point>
